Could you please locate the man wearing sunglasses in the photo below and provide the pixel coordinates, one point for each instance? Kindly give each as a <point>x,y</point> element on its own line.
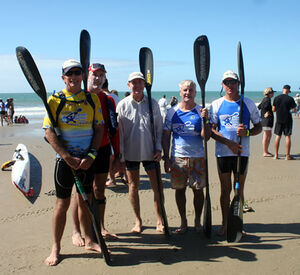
<point>81,126</point>
<point>226,130</point>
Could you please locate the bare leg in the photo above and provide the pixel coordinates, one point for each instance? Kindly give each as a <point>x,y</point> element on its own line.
<point>77,239</point>
<point>153,181</point>
<point>198,205</point>
<point>277,142</point>
<point>266,142</point>
<point>288,144</point>
<point>133,184</point>
<point>58,225</point>
<point>85,221</point>
<point>226,187</point>
<point>111,175</point>
<point>99,192</point>
<point>181,205</point>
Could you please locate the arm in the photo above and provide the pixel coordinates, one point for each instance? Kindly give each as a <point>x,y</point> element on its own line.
<point>204,113</point>
<point>158,124</point>
<point>166,148</point>
<point>58,147</point>
<point>233,146</point>
<point>243,132</point>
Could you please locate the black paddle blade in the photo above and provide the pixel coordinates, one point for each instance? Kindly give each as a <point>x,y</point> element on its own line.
<point>202,60</point>
<point>146,66</point>
<point>31,72</point>
<point>235,220</point>
<point>207,216</point>
<point>241,67</point>
<point>85,54</point>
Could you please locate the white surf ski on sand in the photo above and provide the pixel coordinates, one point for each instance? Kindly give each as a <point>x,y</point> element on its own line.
<point>20,175</point>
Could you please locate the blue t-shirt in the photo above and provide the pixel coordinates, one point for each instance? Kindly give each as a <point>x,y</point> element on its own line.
<point>186,128</point>
<point>226,115</point>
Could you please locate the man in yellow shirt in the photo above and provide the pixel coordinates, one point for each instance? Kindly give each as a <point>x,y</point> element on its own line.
<point>81,128</point>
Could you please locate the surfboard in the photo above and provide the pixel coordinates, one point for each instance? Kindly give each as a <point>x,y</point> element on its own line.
<point>20,175</point>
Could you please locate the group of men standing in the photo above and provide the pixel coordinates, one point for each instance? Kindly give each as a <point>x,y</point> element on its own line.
<point>86,146</point>
<point>7,111</point>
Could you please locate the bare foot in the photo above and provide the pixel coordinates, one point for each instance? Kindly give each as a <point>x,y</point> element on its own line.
<point>137,228</point>
<point>93,246</point>
<point>106,234</point>
<point>111,183</point>
<point>181,230</point>
<point>289,157</point>
<point>160,227</point>
<point>52,260</point>
<point>77,240</point>
<point>276,157</point>
<point>266,155</point>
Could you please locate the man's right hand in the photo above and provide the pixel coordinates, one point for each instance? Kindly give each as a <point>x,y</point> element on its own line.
<point>73,162</point>
<point>234,147</point>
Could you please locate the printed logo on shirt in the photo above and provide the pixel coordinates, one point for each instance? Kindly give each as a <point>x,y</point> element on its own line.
<point>74,118</point>
<point>230,122</point>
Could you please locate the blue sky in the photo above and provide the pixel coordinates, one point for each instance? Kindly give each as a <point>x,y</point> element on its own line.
<point>269,31</point>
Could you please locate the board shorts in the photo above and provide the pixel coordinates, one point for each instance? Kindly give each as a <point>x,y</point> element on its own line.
<point>101,163</point>
<point>135,165</point>
<point>64,179</point>
<point>187,171</point>
<point>229,164</point>
<point>285,128</point>
<point>267,128</point>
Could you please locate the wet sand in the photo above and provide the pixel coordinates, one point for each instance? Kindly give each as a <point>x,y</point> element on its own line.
<point>272,244</point>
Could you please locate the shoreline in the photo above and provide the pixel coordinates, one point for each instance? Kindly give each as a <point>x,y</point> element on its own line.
<point>270,247</point>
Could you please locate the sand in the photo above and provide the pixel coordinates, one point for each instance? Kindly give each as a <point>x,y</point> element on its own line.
<point>272,245</point>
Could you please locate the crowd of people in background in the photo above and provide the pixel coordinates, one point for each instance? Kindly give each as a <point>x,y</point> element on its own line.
<point>7,111</point>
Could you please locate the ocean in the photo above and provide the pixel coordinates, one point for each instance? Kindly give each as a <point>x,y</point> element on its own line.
<point>31,106</point>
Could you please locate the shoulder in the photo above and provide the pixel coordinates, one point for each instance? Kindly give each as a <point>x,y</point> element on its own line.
<point>217,103</point>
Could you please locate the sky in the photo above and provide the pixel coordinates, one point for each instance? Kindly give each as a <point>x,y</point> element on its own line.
<point>269,32</point>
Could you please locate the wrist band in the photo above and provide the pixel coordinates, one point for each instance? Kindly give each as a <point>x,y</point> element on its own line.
<point>207,121</point>
<point>92,156</point>
<point>248,133</point>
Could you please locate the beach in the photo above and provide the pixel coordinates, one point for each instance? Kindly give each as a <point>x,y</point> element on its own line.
<point>271,246</point>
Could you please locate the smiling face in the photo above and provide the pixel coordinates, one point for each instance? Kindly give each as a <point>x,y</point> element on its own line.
<point>187,93</point>
<point>73,79</point>
<point>96,80</point>
<point>137,87</point>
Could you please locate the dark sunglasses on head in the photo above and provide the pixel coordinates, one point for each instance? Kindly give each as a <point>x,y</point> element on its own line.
<point>69,73</point>
<point>230,81</point>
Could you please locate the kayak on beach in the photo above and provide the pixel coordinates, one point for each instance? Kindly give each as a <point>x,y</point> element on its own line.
<point>20,175</point>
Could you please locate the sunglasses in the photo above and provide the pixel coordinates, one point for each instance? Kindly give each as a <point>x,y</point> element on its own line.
<point>230,81</point>
<point>70,73</point>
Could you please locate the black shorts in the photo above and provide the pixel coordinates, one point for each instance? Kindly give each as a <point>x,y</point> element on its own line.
<point>285,128</point>
<point>64,179</point>
<point>135,165</point>
<point>2,112</point>
<point>101,163</point>
<point>229,164</point>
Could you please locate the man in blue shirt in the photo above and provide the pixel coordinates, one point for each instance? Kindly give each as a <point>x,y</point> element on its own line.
<point>187,154</point>
<point>226,129</point>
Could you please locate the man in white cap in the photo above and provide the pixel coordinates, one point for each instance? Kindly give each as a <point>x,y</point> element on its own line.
<point>226,129</point>
<point>297,101</point>
<point>80,120</point>
<point>136,144</point>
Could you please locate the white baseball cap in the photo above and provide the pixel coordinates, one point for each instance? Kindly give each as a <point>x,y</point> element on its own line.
<point>70,64</point>
<point>230,74</point>
<point>135,75</point>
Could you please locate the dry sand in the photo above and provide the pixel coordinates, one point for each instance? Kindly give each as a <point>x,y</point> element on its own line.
<point>272,245</point>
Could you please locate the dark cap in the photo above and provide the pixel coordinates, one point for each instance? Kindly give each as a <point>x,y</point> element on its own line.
<point>286,87</point>
<point>97,66</point>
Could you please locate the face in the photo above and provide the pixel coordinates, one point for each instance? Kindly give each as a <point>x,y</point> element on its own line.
<point>73,79</point>
<point>137,87</point>
<point>271,94</point>
<point>96,80</point>
<point>188,93</point>
<point>230,86</point>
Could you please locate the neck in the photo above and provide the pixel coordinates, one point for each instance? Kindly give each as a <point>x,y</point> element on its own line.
<point>187,106</point>
<point>138,97</point>
<point>232,97</point>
